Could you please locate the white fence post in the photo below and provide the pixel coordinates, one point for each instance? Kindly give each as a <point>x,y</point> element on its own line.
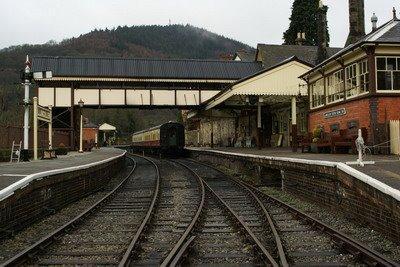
<point>35,128</point>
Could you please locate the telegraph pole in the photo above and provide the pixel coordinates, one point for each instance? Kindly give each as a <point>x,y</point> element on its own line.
<point>26,78</point>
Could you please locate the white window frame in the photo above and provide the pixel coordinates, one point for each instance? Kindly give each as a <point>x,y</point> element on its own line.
<point>333,81</point>
<point>357,68</point>
<point>320,84</point>
<point>391,73</point>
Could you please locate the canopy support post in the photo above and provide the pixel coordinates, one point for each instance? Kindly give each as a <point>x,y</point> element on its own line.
<point>294,124</point>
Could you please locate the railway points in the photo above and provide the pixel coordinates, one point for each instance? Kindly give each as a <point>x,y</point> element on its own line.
<point>307,242</point>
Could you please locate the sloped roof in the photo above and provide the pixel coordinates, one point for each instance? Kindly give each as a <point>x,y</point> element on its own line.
<point>263,86</point>
<point>274,54</point>
<point>388,33</point>
<point>246,56</point>
<point>107,127</point>
<point>144,68</point>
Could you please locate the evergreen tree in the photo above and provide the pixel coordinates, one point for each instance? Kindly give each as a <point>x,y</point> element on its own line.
<point>303,19</point>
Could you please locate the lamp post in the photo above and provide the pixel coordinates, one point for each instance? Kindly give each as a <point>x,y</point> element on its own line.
<point>26,81</point>
<point>81,103</point>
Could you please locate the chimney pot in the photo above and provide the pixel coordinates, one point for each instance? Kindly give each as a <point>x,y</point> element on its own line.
<point>374,20</point>
<point>300,38</point>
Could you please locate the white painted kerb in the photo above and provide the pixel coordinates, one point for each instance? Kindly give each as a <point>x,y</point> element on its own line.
<point>384,188</point>
<point>9,190</point>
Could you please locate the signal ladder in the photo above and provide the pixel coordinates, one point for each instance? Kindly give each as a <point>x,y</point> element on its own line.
<point>15,152</point>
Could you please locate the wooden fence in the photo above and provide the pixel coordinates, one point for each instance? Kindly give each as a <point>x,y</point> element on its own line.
<point>8,134</point>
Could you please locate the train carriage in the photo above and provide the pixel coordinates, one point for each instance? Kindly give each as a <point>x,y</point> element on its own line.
<point>167,138</point>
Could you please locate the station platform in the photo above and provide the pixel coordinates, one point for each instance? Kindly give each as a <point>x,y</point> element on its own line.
<point>17,175</point>
<point>386,168</point>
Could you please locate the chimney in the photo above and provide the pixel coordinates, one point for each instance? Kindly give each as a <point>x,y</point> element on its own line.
<point>301,38</point>
<point>322,32</point>
<point>374,20</point>
<point>357,23</point>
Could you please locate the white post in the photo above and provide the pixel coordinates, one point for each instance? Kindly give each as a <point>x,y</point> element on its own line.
<point>259,124</point>
<point>294,124</point>
<point>294,112</point>
<point>51,129</point>
<point>81,135</point>
<point>360,144</point>
<point>26,105</point>
<point>35,128</point>
<point>95,140</point>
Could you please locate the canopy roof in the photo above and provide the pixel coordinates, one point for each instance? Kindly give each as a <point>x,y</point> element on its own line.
<point>144,68</point>
<point>107,127</point>
<point>278,82</point>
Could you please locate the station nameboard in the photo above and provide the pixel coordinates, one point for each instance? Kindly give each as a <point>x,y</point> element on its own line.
<point>335,113</point>
<point>44,114</point>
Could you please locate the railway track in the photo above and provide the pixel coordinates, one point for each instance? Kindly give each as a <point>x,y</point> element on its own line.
<point>305,241</point>
<point>183,212</point>
<point>102,234</point>
<point>179,205</point>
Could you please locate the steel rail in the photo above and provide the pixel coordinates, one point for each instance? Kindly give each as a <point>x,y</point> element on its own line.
<point>182,251</point>
<point>260,246</point>
<point>365,253</point>
<point>278,241</point>
<point>175,254</point>
<point>183,248</point>
<point>126,259</point>
<point>357,248</point>
<point>32,250</point>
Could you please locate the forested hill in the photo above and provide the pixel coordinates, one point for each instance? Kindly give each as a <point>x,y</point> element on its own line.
<point>174,41</point>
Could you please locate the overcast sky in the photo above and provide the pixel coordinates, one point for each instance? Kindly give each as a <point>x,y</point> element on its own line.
<point>250,21</point>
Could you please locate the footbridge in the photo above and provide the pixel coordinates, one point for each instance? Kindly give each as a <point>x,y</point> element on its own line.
<point>63,82</point>
<point>144,83</point>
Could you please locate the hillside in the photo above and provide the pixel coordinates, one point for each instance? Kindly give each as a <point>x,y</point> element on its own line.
<point>174,41</point>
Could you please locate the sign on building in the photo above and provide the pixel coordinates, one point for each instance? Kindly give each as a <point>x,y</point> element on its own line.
<point>335,113</point>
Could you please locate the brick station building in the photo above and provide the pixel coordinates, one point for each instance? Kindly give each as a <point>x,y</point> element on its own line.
<point>359,87</point>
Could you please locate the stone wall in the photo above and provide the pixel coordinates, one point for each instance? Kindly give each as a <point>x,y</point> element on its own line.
<point>321,184</point>
<point>45,196</point>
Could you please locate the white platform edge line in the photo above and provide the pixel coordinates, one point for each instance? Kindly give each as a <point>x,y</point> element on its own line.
<point>9,190</point>
<point>384,188</point>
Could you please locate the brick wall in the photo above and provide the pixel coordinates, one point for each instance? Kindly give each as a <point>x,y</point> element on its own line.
<point>383,108</point>
<point>352,197</point>
<point>44,196</point>
<point>388,109</point>
<point>356,110</point>
<point>89,134</point>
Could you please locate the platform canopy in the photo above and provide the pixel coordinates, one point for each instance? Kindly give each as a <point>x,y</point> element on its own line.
<point>105,127</point>
<point>273,85</point>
